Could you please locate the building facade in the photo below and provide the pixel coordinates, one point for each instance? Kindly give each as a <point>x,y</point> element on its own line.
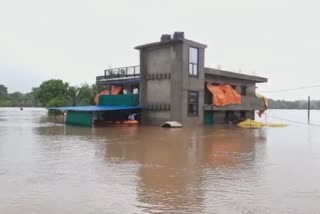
<point>171,81</point>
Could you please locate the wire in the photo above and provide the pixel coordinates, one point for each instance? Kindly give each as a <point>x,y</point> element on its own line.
<point>291,89</point>
<point>292,121</point>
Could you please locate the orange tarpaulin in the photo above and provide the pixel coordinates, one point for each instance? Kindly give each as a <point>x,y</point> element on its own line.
<point>96,98</point>
<point>114,91</point>
<point>223,95</point>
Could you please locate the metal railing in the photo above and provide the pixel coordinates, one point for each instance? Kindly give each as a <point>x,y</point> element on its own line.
<point>129,71</point>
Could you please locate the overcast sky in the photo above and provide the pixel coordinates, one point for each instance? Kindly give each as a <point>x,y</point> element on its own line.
<point>75,40</point>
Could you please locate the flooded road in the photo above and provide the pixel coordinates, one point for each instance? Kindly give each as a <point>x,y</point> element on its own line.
<point>52,168</point>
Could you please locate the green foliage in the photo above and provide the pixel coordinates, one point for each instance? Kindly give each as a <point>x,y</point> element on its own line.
<point>73,93</point>
<point>96,89</point>
<point>86,95</point>
<point>3,92</point>
<point>5,103</point>
<point>56,102</point>
<point>17,99</point>
<point>51,91</point>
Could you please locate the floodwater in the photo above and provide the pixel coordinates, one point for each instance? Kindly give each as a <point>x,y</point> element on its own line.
<point>52,168</point>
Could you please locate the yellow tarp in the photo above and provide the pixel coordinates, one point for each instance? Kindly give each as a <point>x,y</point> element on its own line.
<point>265,100</point>
<point>251,124</point>
<point>223,95</point>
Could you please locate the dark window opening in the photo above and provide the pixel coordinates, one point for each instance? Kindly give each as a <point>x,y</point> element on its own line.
<point>193,61</point>
<point>193,103</point>
<point>235,117</point>
<point>243,90</point>
<point>207,95</point>
<point>243,115</point>
<point>229,116</point>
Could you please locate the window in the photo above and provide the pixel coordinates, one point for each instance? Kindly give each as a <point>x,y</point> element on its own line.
<point>193,103</point>
<point>243,90</point>
<point>193,61</point>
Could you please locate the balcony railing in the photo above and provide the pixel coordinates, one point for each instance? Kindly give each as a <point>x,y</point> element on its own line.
<point>130,71</point>
<point>248,103</point>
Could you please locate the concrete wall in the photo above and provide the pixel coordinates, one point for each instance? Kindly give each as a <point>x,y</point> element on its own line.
<point>155,117</point>
<point>190,83</point>
<point>220,116</point>
<point>157,65</point>
<point>250,115</point>
<point>165,81</point>
<point>158,92</point>
<point>177,85</point>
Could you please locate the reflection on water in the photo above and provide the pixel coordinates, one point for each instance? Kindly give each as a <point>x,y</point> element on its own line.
<point>50,168</point>
<point>172,162</point>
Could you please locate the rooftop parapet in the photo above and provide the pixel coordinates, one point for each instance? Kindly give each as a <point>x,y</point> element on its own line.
<point>167,39</point>
<point>134,72</point>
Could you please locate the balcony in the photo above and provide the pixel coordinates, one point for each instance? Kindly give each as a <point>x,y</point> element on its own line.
<point>248,103</point>
<point>123,73</point>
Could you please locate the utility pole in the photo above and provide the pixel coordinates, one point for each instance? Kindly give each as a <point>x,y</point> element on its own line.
<point>308,109</point>
<point>265,117</point>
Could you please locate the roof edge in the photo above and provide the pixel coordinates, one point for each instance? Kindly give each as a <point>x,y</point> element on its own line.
<point>170,42</point>
<point>235,75</point>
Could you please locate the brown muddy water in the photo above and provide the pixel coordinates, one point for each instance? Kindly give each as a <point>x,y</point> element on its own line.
<point>52,168</point>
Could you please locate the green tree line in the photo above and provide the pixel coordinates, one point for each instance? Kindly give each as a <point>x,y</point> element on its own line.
<point>18,98</point>
<point>51,93</point>
<point>298,104</point>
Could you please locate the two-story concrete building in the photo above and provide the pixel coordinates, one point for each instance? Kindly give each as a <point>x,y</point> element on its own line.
<point>171,81</point>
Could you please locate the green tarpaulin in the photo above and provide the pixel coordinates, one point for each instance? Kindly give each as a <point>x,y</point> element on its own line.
<point>79,118</point>
<point>208,118</point>
<point>119,100</point>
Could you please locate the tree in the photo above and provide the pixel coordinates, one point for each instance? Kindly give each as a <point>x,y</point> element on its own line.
<point>53,93</point>
<point>56,102</point>
<point>73,93</point>
<point>3,92</point>
<point>85,96</point>
<point>17,99</point>
<point>96,89</point>
<point>32,97</point>
<point>5,103</point>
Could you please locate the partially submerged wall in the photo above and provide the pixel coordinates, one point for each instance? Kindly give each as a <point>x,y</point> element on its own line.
<point>119,100</point>
<point>79,118</point>
<point>155,94</point>
<point>165,82</point>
